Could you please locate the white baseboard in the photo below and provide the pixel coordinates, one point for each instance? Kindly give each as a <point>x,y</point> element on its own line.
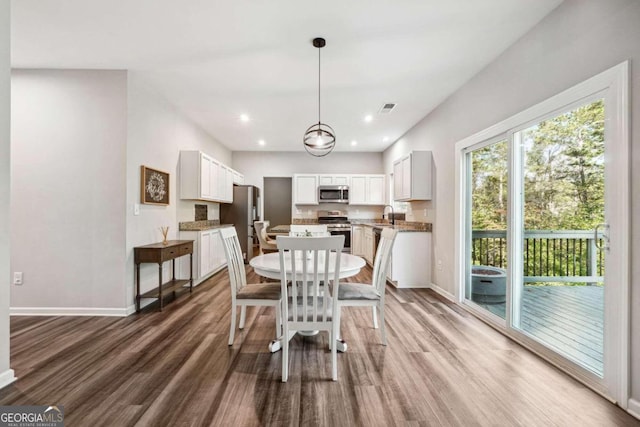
<point>634,408</point>
<point>67,311</point>
<point>442,292</point>
<point>7,377</point>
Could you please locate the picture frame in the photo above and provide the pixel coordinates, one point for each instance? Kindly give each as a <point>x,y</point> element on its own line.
<point>154,186</point>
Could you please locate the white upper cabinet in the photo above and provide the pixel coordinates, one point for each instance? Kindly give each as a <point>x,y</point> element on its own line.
<point>367,190</point>
<point>305,189</point>
<point>333,179</point>
<point>238,178</point>
<point>412,179</point>
<point>204,178</point>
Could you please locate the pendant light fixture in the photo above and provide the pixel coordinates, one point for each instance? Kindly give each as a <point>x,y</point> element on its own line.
<point>319,139</point>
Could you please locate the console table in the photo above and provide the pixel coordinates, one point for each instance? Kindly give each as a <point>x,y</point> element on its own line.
<point>158,253</point>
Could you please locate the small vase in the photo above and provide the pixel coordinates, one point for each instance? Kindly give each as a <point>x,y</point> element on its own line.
<point>165,231</point>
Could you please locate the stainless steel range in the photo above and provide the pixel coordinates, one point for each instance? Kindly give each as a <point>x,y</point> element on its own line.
<point>338,225</point>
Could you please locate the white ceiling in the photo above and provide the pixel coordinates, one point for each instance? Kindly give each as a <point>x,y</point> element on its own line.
<point>218,59</point>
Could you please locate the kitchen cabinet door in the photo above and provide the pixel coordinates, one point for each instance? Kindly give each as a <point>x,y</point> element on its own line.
<point>228,185</point>
<point>325,180</point>
<point>366,190</point>
<point>333,180</point>
<point>305,191</point>
<point>368,244</point>
<point>357,236</point>
<point>205,253</point>
<point>412,177</point>
<point>397,180</point>
<point>358,190</point>
<point>376,190</point>
<point>205,177</point>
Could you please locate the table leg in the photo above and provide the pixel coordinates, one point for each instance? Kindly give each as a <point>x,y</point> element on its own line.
<point>191,273</point>
<point>137,288</point>
<point>173,273</point>
<point>160,284</point>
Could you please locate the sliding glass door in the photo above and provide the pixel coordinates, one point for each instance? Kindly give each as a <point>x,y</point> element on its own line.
<point>543,246</point>
<point>486,226</point>
<point>559,298</point>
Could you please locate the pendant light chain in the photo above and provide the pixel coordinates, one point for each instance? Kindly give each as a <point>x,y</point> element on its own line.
<point>319,121</point>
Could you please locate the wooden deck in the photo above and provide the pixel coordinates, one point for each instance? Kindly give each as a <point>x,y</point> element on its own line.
<point>568,319</point>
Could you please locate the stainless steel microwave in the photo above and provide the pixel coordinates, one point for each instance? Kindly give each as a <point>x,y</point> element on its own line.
<point>333,194</point>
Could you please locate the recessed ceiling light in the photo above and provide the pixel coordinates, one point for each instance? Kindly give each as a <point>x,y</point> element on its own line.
<point>244,118</point>
<point>261,142</point>
<point>385,139</point>
<point>368,118</point>
<point>354,143</point>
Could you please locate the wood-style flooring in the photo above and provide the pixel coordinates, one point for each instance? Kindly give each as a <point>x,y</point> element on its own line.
<point>442,367</point>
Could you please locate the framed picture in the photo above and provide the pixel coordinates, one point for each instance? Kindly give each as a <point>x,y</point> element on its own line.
<point>154,187</point>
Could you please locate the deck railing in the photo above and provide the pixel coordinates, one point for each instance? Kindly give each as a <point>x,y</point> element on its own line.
<point>549,255</point>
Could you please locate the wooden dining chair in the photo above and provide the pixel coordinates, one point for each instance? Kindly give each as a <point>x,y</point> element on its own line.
<point>370,294</point>
<point>243,294</point>
<point>306,263</point>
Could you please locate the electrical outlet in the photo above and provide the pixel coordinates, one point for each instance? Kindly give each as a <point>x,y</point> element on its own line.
<point>439,265</point>
<point>425,213</point>
<point>17,278</point>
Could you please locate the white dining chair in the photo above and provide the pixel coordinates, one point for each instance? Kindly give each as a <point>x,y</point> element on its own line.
<point>243,294</point>
<point>309,230</point>
<point>306,306</point>
<point>371,295</point>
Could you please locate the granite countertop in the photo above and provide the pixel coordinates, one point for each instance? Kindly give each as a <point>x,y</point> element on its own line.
<point>280,229</point>
<point>202,225</point>
<point>400,226</point>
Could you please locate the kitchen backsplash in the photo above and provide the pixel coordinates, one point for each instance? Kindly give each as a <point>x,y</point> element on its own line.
<point>360,212</point>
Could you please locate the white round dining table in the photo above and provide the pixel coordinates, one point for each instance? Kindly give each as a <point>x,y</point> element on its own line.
<point>268,265</point>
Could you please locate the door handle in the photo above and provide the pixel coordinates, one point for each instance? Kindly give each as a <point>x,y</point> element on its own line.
<point>605,236</point>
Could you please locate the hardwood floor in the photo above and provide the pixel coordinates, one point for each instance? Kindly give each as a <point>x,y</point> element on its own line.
<point>442,367</point>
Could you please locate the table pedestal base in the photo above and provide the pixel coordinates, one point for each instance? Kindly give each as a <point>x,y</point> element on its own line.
<point>276,345</point>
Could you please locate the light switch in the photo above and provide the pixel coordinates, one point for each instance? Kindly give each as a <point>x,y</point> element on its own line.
<point>136,208</point>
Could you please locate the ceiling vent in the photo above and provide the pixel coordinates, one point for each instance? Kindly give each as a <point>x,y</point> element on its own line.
<point>387,108</point>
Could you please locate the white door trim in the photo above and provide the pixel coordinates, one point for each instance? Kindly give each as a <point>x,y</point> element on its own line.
<point>614,83</point>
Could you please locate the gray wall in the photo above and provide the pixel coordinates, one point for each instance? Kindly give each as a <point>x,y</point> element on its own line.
<point>255,165</point>
<point>5,114</point>
<point>69,135</point>
<point>79,138</point>
<point>578,40</point>
<point>156,133</point>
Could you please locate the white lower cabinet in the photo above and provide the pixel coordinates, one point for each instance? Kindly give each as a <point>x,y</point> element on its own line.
<point>411,260</point>
<point>357,237</point>
<point>368,244</point>
<point>208,253</point>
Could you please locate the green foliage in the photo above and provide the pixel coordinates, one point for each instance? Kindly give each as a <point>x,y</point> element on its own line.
<point>563,179</point>
<point>563,174</point>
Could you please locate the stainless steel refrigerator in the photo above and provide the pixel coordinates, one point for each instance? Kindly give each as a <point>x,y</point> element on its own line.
<point>242,213</point>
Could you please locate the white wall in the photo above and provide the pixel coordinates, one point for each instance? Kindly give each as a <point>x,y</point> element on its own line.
<point>6,375</point>
<point>578,40</point>
<point>256,165</point>
<point>157,131</point>
<point>68,188</point>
